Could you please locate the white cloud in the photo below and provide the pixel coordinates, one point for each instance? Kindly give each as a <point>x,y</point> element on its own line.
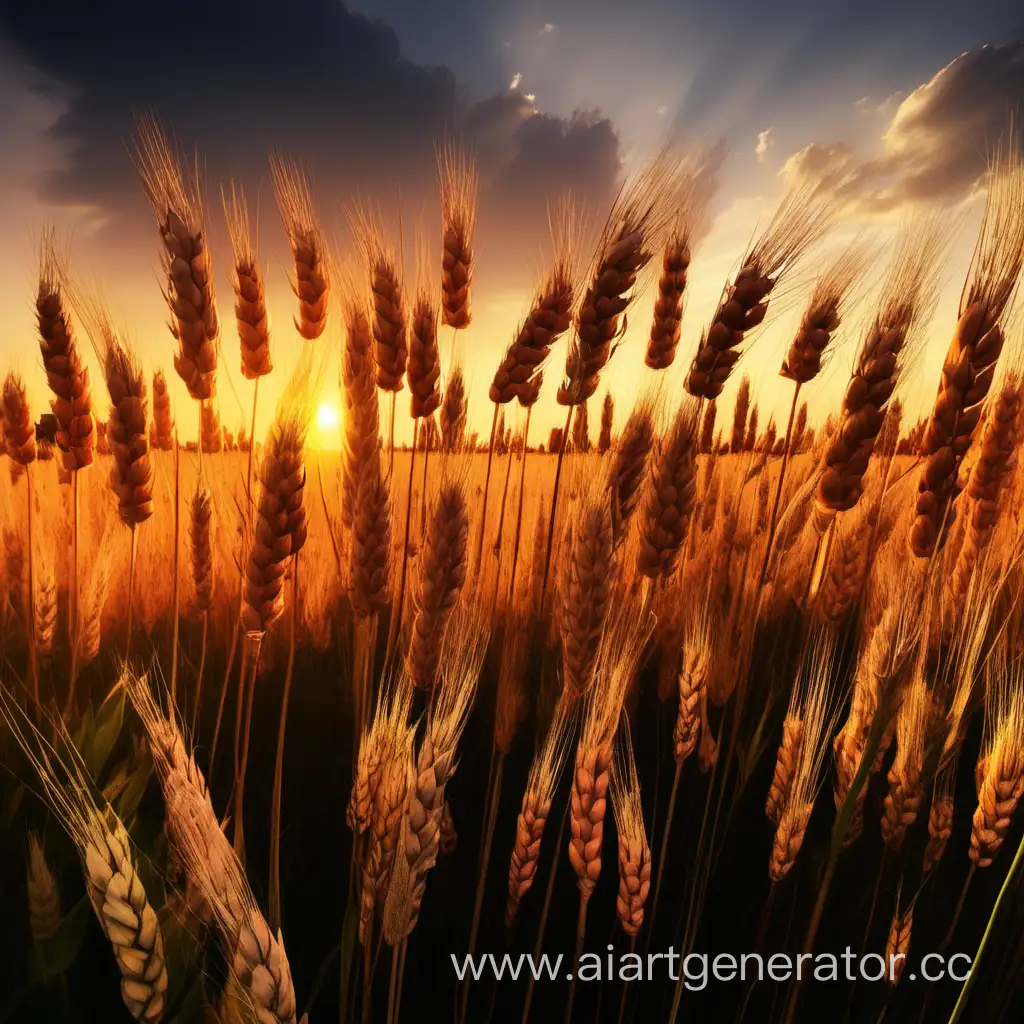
<point>516,79</point>
<point>764,143</point>
<point>548,28</point>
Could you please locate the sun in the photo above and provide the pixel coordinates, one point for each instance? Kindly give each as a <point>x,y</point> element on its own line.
<point>327,417</point>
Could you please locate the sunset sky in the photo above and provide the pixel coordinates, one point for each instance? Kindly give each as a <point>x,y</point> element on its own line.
<point>551,97</point>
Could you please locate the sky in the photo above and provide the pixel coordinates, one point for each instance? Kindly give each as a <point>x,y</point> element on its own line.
<point>556,97</point>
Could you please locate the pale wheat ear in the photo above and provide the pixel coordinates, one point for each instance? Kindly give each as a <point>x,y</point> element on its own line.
<point>257,956</point>
<point>113,886</point>
<point>545,770</point>
<point>634,854</point>
<point>1000,769</point>
<point>803,754</point>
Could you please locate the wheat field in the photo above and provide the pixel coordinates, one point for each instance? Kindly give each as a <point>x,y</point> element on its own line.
<point>286,730</point>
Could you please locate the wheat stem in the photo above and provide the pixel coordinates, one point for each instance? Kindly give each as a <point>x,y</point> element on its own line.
<point>199,675</point>
<point>485,860</point>
<point>519,509</point>
<point>232,651</point>
<point>396,619</point>
<point>537,946</point>
<point>132,559</point>
<point>554,506</point>
<point>250,699</point>
<point>252,448</point>
<point>33,661</point>
<point>73,597</point>
<point>275,804</point>
<point>983,945</point>
<point>581,931</point>
<point>774,517</point>
<point>175,586</point>
<point>663,851</point>
<point>487,485</point>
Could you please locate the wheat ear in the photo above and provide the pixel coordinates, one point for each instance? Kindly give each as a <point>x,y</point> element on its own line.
<point>115,890</point>
<point>187,261</point>
<point>309,249</point>
<point>458,181</point>
<point>671,494</point>
<point>442,573</point>
<point>799,223</point>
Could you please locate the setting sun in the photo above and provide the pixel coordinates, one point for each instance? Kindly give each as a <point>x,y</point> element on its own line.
<point>328,417</point>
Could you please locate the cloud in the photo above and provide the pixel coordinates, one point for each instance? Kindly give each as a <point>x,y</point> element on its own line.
<point>516,79</point>
<point>312,78</point>
<point>937,145</point>
<point>764,143</point>
<point>810,164</point>
<point>547,29</point>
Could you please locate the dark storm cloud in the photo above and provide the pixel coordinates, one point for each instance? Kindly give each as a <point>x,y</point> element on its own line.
<point>307,76</point>
<point>941,137</point>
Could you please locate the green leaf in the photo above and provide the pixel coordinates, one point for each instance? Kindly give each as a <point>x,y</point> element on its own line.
<point>56,955</point>
<point>109,720</point>
<point>134,790</point>
<point>13,805</point>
